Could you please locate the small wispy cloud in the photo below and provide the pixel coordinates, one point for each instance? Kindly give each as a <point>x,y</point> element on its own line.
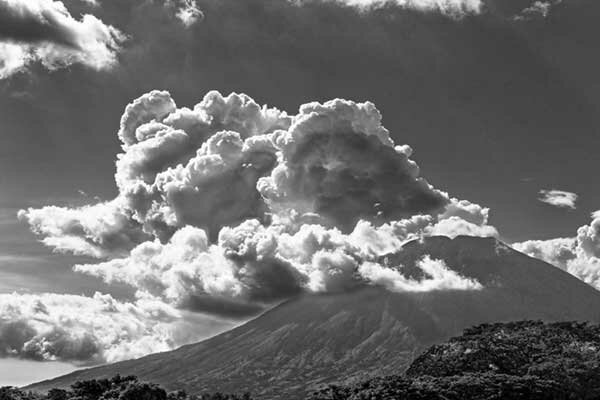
<point>186,11</point>
<point>189,13</point>
<point>539,9</point>
<point>558,198</point>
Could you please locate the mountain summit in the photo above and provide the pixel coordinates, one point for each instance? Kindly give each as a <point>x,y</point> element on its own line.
<point>316,339</point>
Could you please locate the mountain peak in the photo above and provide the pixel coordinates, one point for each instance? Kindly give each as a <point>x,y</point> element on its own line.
<point>316,339</point>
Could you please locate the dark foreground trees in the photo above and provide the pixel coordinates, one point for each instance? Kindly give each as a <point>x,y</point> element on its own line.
<point>117,388</point>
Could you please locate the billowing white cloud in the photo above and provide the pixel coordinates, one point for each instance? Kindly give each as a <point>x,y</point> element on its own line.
<point>44,31</point>
<point>557,252</point>
<point>559,198</point>
<point>99,230</point>
<point>13,58</point>
<point>252,264</point>
<point>84,329</point>
<point>229,206</point>
<point>464,209</point>
<point>461,217</point>
<point>229,159</point>
<point>456,226</point>
<point>338,161</point>
<point>588,237</point>
<point>579,255</point>
<point>438,277</point>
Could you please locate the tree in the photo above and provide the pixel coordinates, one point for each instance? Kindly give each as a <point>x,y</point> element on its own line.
<point>57,394</point>
<point>143,391</point>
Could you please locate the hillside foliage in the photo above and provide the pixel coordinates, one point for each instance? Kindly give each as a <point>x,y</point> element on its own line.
<point>517,360</point>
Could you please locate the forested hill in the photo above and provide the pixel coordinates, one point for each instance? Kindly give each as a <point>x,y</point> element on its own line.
<point>511,361</point>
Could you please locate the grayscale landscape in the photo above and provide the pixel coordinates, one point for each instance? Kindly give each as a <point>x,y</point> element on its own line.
<point>299,199</point>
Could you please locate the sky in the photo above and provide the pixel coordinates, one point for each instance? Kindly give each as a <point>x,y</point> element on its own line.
<point>193,229</point>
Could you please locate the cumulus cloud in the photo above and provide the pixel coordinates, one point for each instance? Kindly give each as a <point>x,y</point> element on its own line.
<point>558,198</point>
<point>44,31</point>
<point>84,329</point>
<point>456,226</point>
<point>437,277</point>
<point>99,230</point>
<point>557,251</point>
<point>454,8</point>
<point>252,264</point>
<point>338,161</point>
<point>229,206</point>
<point>579,255</point>
<point>461,217</point>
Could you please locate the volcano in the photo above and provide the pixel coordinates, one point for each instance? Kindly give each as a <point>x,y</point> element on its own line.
<point>316,339</point>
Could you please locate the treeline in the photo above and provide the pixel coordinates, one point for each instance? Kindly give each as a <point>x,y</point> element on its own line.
<point>117,388</point>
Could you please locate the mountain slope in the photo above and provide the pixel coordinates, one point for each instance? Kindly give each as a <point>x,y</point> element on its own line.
<point>317,339</point>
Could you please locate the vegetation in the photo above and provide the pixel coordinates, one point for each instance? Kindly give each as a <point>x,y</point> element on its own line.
<point>468,386</point>
<point>518,360</point>
<point>525,360</point>
<point>117,388</point>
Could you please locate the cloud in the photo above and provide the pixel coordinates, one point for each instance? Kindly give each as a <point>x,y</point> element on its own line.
<point>44,31</point>
<point>228,160</point>
<point>557,251</point>
<point>579,255</point>
<point>438,277</point>
<point>255,265</point>
<point>456,226</point>
<point>338,161</point>
<point>228,207</point>
<point>461,217</point>
<point>99,230</point>
<point>558,198</point>
<point>588,237</point>
<point>188,12</point>
<point>454,8</point>
<point>83,329</point>
<point>539,9</point>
